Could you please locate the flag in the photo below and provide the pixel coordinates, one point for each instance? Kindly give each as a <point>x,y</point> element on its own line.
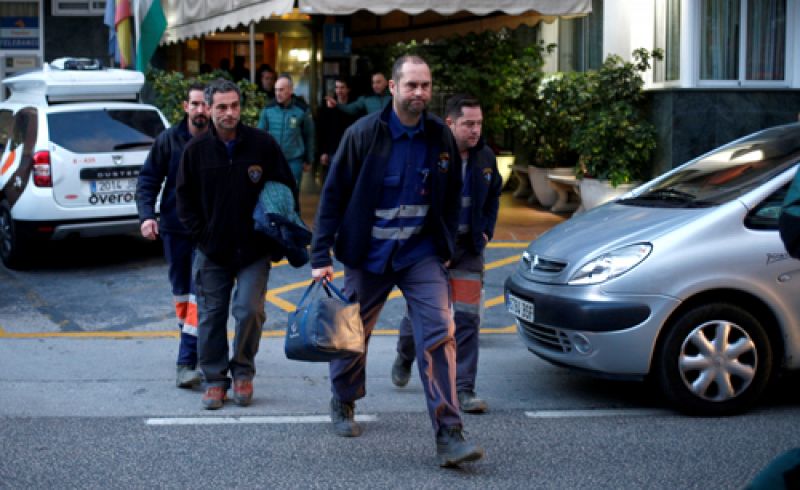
<point>109,20</point>
<point>150,26</point>
<point>122,20</point>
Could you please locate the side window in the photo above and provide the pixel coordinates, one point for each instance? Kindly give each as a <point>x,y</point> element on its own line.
<point>765,215</point>
<point>6,125</point>
<point>25,128</point>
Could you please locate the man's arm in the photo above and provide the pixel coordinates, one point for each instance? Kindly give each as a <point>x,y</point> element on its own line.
<point>263,121</point>
<point>354,108</point>
<point>151,178</point>
<point>492,204</point>
<point>309,137</point>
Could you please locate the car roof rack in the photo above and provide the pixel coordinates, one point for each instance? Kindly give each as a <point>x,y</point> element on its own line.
<point>74,80</point>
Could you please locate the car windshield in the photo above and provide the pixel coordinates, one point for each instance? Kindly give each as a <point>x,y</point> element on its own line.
<point>726,173</point>
<point>103,131</point>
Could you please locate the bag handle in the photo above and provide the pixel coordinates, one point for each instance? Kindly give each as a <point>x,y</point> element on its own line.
<point>328,284</point>
<point>314,285</point>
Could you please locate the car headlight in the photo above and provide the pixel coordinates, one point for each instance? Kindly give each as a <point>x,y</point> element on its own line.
<point>610,264</point>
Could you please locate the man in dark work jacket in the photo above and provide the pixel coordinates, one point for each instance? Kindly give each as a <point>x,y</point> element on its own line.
<point>220,178</point>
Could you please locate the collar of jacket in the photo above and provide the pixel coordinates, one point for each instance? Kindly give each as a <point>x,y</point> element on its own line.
<point>432,125</point>
<point>241,129</point>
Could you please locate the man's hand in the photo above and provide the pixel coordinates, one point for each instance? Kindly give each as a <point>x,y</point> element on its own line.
<point>306,167</point>
<point>485,238</point>
<point>149,229</point>
<point>326,272</point>
<point>330,102</point>
<point>324,159</point>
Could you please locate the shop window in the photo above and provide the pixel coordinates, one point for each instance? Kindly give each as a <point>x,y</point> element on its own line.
<point>668,39</point>
<point>743,40</point>
<point>79,7</point>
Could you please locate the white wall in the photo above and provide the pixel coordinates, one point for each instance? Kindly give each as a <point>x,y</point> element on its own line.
<point>617,27</point>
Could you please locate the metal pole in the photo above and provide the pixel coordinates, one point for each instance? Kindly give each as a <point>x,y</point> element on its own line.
<point>252,52</point>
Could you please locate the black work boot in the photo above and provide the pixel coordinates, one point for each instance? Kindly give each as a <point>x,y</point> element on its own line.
<point>343,418</point>
<point>470,403</point>
<point>452,449</point>
<point>401,371</point>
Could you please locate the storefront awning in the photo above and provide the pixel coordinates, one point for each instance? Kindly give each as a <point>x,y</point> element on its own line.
<point>447,7</point>
<point>192,18</point>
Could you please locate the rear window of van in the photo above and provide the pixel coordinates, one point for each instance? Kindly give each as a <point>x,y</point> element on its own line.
<point>104,131</point>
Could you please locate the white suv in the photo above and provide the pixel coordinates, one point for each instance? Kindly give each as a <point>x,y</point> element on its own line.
<point>73,139</point>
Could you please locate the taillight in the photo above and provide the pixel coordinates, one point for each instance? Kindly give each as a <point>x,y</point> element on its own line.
<point>41,169</point>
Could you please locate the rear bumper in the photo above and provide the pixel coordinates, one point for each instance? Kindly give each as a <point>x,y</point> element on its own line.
<point>59,230</point>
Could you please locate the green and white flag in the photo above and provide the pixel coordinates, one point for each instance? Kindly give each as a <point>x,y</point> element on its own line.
<point>150,26</point>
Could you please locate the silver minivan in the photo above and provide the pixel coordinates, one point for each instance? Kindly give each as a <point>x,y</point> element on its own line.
<point>683,281</point>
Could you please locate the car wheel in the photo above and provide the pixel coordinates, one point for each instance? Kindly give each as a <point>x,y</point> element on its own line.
<point>715,359</point>
<point>12,245</point>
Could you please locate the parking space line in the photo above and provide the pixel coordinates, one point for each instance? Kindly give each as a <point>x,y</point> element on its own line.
<point>599,412</point>
<point>266,419</point>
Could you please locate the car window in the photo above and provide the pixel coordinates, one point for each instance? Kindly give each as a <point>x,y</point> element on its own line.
<point>104,131</point>
<point>727,173</point>
<point>765,215</point>
<point>25,129</point>
<point>6,123</point>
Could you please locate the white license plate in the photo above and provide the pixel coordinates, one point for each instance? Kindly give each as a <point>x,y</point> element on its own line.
<point>112,185</point>
<point>520,308</point>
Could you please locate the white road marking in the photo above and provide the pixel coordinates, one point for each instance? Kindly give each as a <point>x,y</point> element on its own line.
<point>269,419</point>
<point>622,412</point>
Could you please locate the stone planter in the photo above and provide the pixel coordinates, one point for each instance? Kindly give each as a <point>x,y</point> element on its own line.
<point>596,192</point>
<point>543,192</point>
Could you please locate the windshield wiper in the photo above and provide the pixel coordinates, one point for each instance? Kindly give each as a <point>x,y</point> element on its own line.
<point>666,194</point>
<point>132,144</point>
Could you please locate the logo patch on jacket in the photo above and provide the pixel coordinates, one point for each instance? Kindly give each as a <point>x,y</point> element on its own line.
<point>487,175</point>
<point>292,122</point>
<point>254,172</point>
<point>444,162</point>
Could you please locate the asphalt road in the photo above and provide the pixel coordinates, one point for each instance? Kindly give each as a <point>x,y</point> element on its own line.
<point>87,400</point>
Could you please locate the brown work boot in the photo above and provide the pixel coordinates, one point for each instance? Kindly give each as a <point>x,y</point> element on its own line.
<point>214,397</point>
<point>242,392</point>
<point>452,449</point>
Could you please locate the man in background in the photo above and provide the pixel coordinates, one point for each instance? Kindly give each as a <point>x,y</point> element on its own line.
<point>160,170</point>
<point>366,104</point>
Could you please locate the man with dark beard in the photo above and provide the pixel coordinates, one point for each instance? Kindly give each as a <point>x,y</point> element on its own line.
<point>161,169</point>
<point>390,209</point>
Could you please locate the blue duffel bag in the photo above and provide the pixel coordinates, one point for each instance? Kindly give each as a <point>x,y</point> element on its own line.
<point>325,326</point>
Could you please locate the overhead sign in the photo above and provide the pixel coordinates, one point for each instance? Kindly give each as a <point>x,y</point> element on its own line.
<point>19,33</point>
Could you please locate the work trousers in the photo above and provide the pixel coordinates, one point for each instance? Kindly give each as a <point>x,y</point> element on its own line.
<point>220,288</point>
<point>179,251</point>
<point>424,285</point>
<point>466,282</point>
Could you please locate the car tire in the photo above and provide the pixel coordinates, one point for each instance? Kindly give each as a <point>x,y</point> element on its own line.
<point>13,246</point>
<point>701,377</point>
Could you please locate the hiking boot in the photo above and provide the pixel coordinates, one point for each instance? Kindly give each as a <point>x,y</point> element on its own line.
<point>401,371</point>
<point>214,397</point>
<point>470,403</point>
<point>187,376</point>
<point>452,449</point>
<point>242,392</point>
<point>343,418</point>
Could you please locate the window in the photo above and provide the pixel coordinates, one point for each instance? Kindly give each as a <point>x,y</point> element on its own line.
<point>743,40</point>
<point>79,7</point>
<point>104,131</point>
<point>6,124</point>
<point>668,39</point>
<point>580,41</point>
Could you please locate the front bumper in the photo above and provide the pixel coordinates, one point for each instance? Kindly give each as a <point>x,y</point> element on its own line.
<point>586,328</point>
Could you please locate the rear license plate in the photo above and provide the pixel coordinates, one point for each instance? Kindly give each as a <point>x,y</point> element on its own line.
<point>112,186</point>
<point>520,308</point>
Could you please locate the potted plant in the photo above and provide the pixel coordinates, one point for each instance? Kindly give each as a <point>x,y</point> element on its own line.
<point>547,130</point>
<point>613,138</point>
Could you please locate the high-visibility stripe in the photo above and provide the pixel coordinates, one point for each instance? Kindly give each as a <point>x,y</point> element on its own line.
<point>401,233</point>
<point>466,290</point>
<point>405,211</point>
<point>189,329</point>
<point>466,201</point>
<point>467,308</point>
<point>463,228</point>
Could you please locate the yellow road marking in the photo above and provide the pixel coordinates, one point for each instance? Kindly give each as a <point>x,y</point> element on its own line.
<point>507,245</point>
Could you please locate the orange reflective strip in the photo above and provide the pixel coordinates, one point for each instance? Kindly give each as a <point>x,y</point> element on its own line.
<point>181,310</point>
<point>466,291</point>
<point>9,161</point>
<point>191,314</point>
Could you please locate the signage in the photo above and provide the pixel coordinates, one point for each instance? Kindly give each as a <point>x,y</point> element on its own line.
<point>19,33</point>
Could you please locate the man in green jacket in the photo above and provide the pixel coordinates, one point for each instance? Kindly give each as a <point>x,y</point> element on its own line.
<point>292,127</point>
<point>366,104</point>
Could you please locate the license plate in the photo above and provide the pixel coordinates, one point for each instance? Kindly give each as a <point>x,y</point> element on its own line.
<point>520,308</point>
<point>112,185</point>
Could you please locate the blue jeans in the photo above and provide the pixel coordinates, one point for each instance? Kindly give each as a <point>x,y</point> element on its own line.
<point>219,288</point>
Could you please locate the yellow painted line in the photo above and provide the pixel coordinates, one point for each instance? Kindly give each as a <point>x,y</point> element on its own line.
<point>502,262</point>
<point>497,300</point>
<point>174,334</point>
<point>507,245</point>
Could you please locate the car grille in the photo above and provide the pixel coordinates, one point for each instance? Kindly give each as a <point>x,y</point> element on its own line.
<point>537,263</point>
<point>547,337</point>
